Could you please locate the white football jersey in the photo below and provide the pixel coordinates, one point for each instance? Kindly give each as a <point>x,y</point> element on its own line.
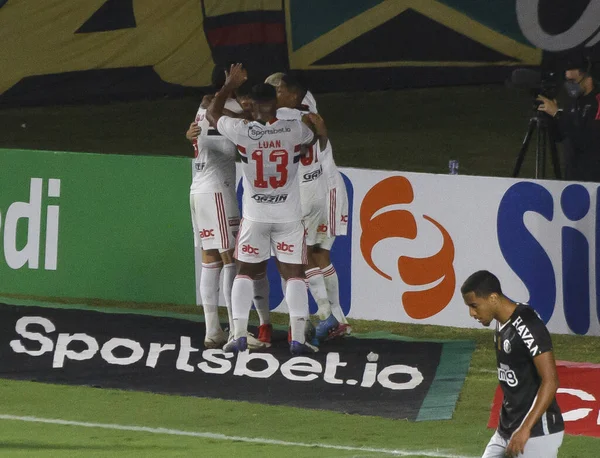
<point>270,156</point>
<point>312,184</point>
<point>310,102</point>
<point>214,156</point>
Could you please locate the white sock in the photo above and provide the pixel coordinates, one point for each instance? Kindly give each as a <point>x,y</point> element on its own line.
<point>229,271</point>
<point>241,299</point>
<point>283,289</point>
<point>261,299</point>
<point>297,299</point>
<point>333,292</point>
<point>316,284</point>
<point>209,293</point>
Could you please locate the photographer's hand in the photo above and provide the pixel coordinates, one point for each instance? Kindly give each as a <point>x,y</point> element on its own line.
<point>547,105</point>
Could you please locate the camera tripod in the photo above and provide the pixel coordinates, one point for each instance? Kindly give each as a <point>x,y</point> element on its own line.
<point>545,137</point>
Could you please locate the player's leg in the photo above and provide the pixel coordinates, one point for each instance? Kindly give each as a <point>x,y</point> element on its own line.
<point>252,252</point>
<point>291,265</point>
<point>314,218</point>
<point>321,253</point>
<point>209,293</point>
<point>206,226</point>
<point>546,446</point>
<point>496,447</point>
<point>229,225</point>
<point>261,303</point>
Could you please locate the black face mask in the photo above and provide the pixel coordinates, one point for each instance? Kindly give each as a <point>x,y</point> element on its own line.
<point>574,89</point>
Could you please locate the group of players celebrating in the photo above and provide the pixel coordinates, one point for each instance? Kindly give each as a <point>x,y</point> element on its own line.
<point>294,206</point>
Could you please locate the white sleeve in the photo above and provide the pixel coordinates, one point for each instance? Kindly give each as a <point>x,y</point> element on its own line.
<point>307,135</point>
<point>289,113</point>
<point>329,167</point>
<point>227,127</point>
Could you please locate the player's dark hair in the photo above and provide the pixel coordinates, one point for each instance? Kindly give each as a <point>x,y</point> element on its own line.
<point>263,92</point>
<point>482,283</point>
<point>244,90</point>
<point>293,84</point>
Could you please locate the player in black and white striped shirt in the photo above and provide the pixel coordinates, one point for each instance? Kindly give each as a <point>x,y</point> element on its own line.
<point>531,424</point>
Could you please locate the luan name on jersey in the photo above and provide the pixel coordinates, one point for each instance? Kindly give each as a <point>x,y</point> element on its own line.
<point>270,155</point>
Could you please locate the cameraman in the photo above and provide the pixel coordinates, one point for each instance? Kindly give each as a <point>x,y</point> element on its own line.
<point>579,123</point>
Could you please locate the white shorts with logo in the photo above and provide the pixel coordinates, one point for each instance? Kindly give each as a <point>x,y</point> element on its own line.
<point>216,220</point>
<point>337,210</point>
<point>314,215</point>
<point>325,242</point>
<point>256,240</point>
<point>536,447</point>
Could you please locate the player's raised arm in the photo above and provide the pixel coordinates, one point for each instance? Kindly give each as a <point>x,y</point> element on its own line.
<point>317,125</point>
<point>235,78</point>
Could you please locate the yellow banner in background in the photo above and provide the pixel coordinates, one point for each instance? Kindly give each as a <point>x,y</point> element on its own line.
<point>40,38</point>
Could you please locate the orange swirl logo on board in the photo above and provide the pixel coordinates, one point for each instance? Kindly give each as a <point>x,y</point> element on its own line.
<point>378,224</point>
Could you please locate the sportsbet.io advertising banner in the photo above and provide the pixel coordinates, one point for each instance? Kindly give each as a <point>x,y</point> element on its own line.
<point>379,376</point>
<point>117,228</point>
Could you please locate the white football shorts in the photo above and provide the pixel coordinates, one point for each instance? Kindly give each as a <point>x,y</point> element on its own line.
<point>256,240</point>
<point>314,217</point>
<point>216,220</point>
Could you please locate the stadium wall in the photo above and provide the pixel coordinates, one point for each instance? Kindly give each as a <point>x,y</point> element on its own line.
<point>66,51</point>
<point>109,228</point>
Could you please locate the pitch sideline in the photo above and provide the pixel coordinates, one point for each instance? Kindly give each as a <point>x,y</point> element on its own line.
<point>215,436</point>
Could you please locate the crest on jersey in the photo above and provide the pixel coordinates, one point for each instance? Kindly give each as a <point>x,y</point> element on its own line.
<point>507,347</point>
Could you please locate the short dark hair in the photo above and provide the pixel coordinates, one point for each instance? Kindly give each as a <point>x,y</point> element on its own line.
<point>244,90</point>
<point>482,283</point>
<point>293,84</point>
<point>579,61</point>
<point>263,92</point>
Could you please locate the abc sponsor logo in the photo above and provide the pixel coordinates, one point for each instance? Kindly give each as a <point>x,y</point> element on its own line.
<point>322,228</point>
<point>432,279</point>
<point>249,249</point>
<point>207,233</point>
<point>20,215</point>
<point>344,219</point>
<point>285,248</point>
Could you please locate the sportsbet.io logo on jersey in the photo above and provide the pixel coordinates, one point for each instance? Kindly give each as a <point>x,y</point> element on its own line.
<point>257,131</point>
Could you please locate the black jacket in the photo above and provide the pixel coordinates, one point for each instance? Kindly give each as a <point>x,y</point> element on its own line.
<point>579,126</point>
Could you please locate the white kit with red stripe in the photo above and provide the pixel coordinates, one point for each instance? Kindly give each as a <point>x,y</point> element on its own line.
<point>214,156</point>
<point>213,202</point>
<point>270,155</point>
<point>337,196</point>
